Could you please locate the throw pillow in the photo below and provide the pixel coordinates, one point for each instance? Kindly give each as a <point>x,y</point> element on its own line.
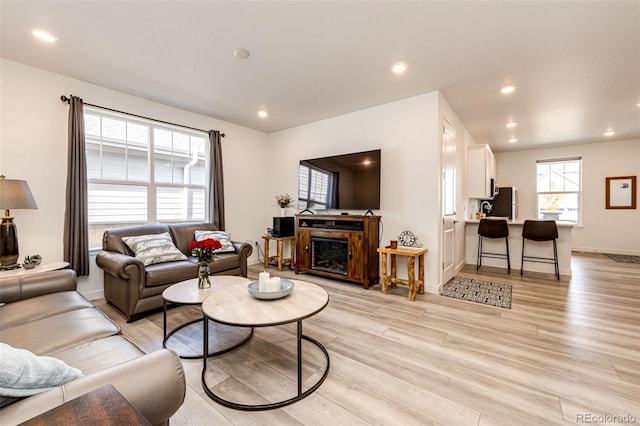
<point>154,248</point>
<point>22,373</point>
<point>223,237</point>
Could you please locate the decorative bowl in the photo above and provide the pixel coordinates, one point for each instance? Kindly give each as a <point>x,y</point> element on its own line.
<point>29,265</point>
<point>286,287</point>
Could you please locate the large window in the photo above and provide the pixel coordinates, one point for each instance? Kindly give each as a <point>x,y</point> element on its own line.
<point>559,189</point>
<point>142,172</point>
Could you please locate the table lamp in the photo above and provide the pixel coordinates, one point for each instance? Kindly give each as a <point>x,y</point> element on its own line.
<point>14,194</point>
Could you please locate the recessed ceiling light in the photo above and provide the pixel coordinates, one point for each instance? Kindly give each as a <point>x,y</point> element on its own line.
<point>511,124</point>
<point>44,36</point>
<point>505,90</point>
<point>241,53</point>
<point>609,132</point>
<point>513,140</point>
<point>399,68</point>
<point>263,113</point>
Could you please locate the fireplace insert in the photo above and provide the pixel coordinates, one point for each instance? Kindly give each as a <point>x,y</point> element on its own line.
<point>330,255</point>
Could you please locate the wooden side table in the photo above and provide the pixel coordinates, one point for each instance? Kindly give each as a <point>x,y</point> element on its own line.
<point>279,258</point>
<point>415,285</point>
<point>102,406</point>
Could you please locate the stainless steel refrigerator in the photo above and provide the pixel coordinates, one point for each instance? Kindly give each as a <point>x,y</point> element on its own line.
<point>505,203</point>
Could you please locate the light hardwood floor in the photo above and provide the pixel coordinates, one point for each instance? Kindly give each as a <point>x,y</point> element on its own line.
<point>566,352</point>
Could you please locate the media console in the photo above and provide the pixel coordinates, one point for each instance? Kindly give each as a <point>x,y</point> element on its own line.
<point>339,246</point>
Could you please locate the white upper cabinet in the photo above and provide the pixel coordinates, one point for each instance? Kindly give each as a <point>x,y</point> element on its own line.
<point>482,172</point>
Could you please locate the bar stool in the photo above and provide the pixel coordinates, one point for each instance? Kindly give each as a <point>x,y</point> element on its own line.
<point>540,230</point>
<point>493,228</point>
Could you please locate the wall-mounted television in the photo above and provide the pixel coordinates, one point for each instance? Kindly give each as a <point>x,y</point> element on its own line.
<point>345,182</point>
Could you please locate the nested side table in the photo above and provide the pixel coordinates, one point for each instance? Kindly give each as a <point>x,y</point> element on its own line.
<point>188,293</point>
<point>416,285</point>
<point>234,306</point>
<point>279,258</point>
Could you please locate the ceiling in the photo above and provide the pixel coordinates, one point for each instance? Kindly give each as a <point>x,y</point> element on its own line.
<point>576,64</point>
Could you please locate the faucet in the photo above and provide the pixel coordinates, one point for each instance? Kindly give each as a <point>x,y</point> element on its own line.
<point>485,206</point>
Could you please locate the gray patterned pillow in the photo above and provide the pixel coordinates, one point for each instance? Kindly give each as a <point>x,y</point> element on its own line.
<point>22,373</point>
<point>154,248</point>
<point>223,237</point>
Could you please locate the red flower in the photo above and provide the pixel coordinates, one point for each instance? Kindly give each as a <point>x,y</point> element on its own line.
<point>204,249</point>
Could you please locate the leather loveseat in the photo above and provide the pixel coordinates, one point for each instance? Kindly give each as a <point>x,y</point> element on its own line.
<point>44,314</point>
<point>135,288</point>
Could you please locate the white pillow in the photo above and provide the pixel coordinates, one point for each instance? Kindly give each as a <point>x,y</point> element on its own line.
<point>22,373</point>
<point>223,237</point>
<point>154,248</point>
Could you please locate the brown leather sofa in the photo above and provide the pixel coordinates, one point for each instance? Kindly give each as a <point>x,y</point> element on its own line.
<point>43,313</point>
<point>134,288</point>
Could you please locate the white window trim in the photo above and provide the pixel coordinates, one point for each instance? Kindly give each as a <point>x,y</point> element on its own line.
<point>579,193</point>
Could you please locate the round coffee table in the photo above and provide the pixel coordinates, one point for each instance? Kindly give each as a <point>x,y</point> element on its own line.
<point>188,293</point>
<point>233,305</point>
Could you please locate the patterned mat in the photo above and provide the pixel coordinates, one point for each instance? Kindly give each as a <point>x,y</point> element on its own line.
<point>486,292</point>
<point>624,258</point>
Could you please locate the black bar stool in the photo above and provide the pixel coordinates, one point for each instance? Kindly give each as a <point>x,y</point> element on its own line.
<point>540,230</point>
<point>493,228</point>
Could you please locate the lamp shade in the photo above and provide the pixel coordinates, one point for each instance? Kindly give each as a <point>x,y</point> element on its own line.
<point>15,194</point>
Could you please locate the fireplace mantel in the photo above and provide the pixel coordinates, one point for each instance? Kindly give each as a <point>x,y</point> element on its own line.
<point>354,238</point>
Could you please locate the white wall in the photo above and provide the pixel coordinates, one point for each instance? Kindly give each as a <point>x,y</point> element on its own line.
<point>33,147</point>
<point>407,133</point>
<point>610,231</point>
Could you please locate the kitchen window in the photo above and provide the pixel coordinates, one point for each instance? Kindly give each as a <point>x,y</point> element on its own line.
<point>140,172</point>
<point>559,189</point>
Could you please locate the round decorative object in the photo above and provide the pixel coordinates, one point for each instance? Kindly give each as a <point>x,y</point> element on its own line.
<point>286,287</point>
<point>407,239</point>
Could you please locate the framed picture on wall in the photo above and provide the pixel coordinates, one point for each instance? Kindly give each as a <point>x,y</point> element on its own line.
<point>621,192</point>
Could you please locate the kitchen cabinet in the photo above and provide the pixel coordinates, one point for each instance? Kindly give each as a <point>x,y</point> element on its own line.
<point>482,172</point>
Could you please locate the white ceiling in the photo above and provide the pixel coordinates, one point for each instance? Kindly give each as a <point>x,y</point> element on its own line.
<point>576,63</point>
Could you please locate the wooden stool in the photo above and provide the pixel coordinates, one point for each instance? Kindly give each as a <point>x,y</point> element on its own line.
<point>279,258</point>
<point>415,285</point>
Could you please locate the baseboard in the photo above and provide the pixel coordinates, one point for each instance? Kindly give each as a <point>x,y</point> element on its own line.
<point>93,295</point>
<point>602,250</point>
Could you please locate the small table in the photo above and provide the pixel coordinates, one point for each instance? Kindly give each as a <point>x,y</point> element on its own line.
<point>43,267</point>
<point>415,285</point>
<point>102,406</point>
<point>233,305</point>
<point>279,258</point>
<point>188,293</point>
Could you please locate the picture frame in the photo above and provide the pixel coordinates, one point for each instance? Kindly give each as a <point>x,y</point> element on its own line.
<point>621,192</point>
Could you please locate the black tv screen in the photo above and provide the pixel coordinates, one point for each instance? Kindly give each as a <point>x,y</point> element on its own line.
<point>347,182</point>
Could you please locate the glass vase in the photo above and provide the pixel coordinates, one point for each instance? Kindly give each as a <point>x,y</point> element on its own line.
<point>203,275</point>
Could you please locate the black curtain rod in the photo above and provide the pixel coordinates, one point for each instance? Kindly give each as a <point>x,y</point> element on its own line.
<point>64,98</point>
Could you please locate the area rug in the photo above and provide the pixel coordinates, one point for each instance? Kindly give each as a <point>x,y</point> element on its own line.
<point>624,258</point>
<point>472,290</point>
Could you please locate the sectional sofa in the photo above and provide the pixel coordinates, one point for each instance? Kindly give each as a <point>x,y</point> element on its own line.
<point>45,315</point>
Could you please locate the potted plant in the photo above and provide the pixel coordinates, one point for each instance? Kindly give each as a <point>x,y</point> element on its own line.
<point>30,262</point>
<point>284,201</point>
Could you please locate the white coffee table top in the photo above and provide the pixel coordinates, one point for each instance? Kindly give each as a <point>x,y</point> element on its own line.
<point>188,293</point>
<point>233,305</point>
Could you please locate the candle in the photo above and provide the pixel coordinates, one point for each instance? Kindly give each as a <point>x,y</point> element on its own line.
<point>272,284</point>
<point>262,280</point>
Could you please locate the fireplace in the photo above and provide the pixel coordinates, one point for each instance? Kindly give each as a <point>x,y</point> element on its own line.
<point>329,254</point>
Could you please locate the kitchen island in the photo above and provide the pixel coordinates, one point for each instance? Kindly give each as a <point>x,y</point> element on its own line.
<point>533,248</point>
